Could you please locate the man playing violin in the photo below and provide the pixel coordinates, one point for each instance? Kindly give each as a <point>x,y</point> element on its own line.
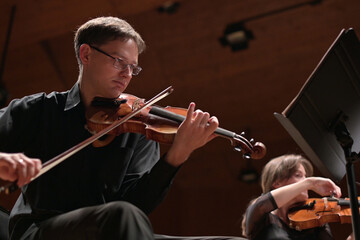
<point>98,193</point>
<point>285,182</point>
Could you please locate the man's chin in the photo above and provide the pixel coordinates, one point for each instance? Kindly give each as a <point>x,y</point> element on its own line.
<point>115,93</point>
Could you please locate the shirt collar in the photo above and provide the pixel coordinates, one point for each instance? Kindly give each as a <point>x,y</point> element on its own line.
<point>73,98</point>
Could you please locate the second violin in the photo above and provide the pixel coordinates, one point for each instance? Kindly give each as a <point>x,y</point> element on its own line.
<point>319,211</point>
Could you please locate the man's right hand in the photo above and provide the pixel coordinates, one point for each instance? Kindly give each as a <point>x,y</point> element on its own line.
<point>17,166</point>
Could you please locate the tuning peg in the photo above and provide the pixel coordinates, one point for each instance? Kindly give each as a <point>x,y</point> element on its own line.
<point>237,148</point>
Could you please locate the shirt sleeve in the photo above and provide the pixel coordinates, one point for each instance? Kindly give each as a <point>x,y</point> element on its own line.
<point>147,188</point>
<point>18,124</point>
<point>257,211</point>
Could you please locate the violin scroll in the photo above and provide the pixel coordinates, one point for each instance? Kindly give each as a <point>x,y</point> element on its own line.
<point>259,151</point>
<point>241,144</point>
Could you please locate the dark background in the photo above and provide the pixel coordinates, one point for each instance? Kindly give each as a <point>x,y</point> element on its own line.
<point>242,88</point>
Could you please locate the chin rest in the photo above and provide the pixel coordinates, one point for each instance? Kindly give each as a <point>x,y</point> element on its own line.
<point>165,237</point>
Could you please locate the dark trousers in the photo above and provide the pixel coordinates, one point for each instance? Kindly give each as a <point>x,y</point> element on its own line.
<point>4,223</point>
<point>115,220</point>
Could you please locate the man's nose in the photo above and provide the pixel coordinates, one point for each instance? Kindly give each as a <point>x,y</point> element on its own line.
<point>127,71</point>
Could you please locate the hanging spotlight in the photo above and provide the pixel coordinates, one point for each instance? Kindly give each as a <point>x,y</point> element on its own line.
<point>169,7</point>
<point>236,36</point>
<point>248,174</point>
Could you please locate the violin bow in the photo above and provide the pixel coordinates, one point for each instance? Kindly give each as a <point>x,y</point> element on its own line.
<point>11,187</point>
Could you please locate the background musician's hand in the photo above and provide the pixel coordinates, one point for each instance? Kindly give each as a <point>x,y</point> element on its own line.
<point>16,166</point>
<point>324,187</point>
<point>194,132</point>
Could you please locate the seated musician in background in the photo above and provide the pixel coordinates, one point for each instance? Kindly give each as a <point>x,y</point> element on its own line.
<point>285,181</point>
<point>98,193</point>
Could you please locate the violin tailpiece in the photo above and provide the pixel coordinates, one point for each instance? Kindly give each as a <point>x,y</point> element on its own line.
<point>106,102</point>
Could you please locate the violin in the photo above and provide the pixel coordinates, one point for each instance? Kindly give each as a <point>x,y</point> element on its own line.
<point>156,123</point>
<point>319,211</point>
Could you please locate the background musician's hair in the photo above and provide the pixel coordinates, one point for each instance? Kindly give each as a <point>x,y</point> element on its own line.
<point>281,168</point>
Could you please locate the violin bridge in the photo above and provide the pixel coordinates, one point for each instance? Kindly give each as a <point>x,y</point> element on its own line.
<point>138,103</point>
<point>325,202</point>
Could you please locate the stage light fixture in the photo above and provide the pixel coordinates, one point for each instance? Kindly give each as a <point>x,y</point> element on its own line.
<point>249,175</point>
<point>169,7</point>
<point>236,36</point>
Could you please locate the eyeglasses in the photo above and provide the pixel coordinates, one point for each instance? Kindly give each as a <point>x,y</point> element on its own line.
<point>121,64</point>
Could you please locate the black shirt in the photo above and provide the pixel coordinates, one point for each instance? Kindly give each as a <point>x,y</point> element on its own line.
<point>43,126</point>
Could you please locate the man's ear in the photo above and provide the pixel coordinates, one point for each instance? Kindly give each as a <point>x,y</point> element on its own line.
<point>84,53</point>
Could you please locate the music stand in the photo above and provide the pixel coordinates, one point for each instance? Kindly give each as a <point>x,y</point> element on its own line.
<point>325,112</point>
